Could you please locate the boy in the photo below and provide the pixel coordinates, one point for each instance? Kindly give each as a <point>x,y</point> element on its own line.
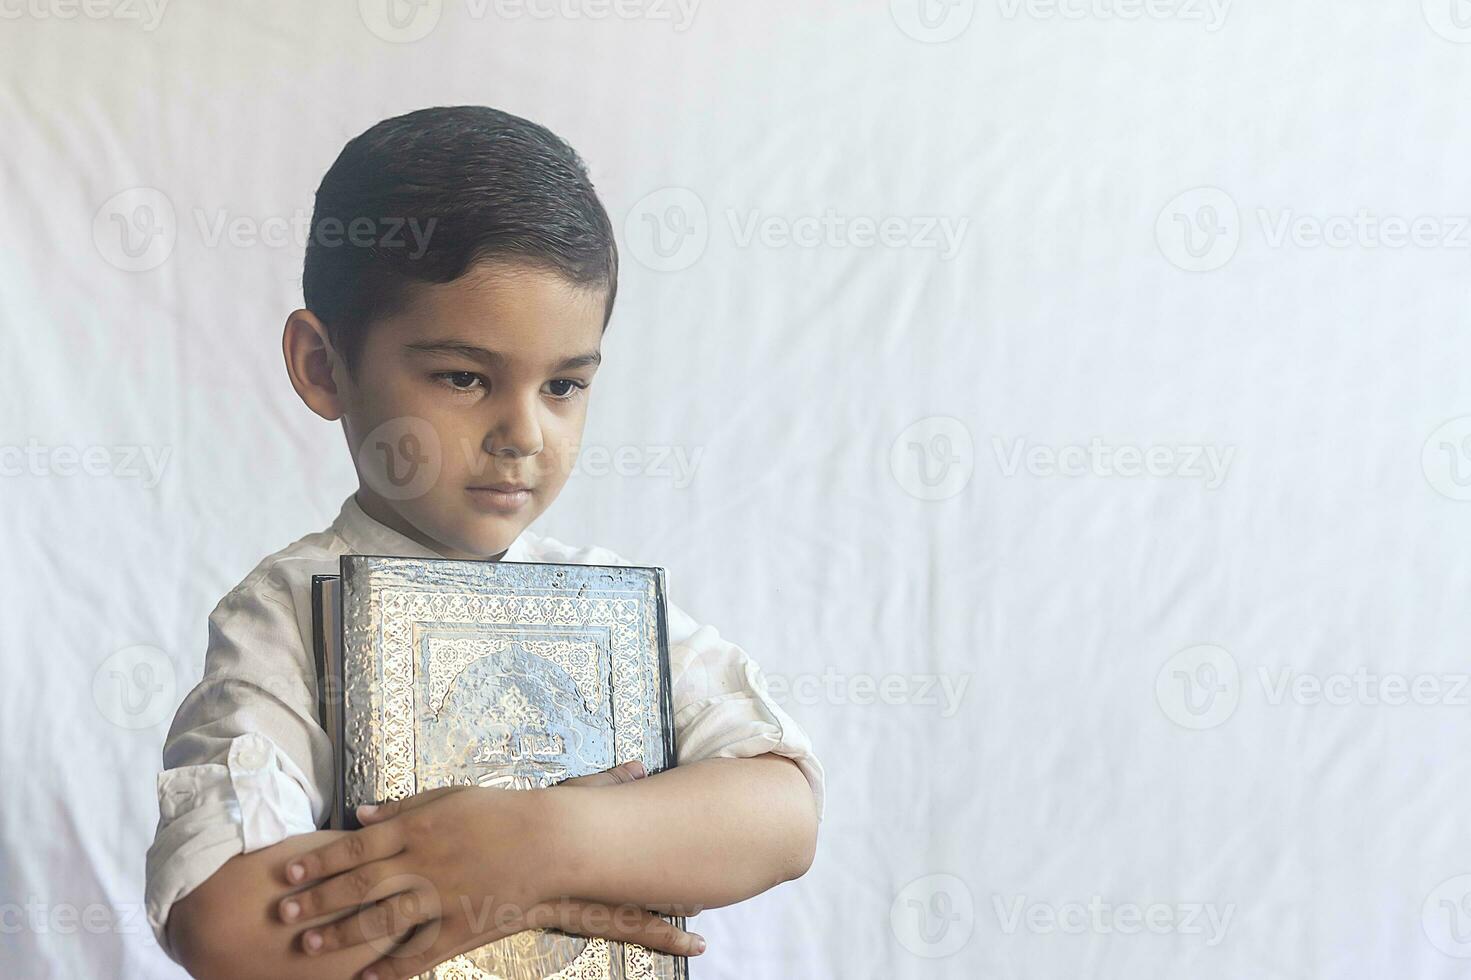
<point>458,281</point>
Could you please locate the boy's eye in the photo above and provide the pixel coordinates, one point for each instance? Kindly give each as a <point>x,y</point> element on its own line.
<point>459,380</point>
<point>562,389</point>
<point>570,390</point>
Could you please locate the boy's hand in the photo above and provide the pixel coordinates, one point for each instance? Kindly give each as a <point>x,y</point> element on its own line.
<point>625,772</point>
<point>452,867</point>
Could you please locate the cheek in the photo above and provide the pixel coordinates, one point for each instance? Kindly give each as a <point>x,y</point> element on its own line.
<point>457,431</point>
<point>391,395</point>
<point>562,439</point>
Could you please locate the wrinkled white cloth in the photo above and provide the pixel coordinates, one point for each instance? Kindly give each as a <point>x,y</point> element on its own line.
<point>247,764</point>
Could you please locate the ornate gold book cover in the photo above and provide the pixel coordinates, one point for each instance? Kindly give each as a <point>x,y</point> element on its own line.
<point>438,672</point>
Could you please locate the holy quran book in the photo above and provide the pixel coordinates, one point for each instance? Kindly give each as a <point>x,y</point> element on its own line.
<point>513,675</point>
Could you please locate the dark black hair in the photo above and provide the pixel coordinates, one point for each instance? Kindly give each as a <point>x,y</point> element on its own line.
<point>421,197</point>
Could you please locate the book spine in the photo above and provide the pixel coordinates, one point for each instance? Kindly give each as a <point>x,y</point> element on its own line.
<point>361,682</point>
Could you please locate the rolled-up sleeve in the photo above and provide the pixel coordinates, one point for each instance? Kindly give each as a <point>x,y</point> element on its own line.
<point>722,707</point>
<point>245,760</point>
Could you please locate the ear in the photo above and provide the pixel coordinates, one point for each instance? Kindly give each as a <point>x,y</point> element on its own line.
<point>314,367</point>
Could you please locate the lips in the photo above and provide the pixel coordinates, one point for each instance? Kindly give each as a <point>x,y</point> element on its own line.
<point>500,498</point>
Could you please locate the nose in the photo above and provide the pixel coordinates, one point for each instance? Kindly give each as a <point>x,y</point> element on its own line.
<point>515,428</point>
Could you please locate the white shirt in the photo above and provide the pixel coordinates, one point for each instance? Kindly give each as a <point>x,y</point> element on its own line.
<point>247,763</point>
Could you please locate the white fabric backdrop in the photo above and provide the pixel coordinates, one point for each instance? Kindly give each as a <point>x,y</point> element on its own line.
<point>1205,721</point>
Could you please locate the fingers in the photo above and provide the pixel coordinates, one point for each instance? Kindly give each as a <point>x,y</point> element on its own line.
<point>371,813</point>
<point>417,956</point>
<point>347,890</point>
<point>383,924</point>
<point>625,772</point>
<point>621,923</point>
<point>343,854</point>
<point>663,936</point>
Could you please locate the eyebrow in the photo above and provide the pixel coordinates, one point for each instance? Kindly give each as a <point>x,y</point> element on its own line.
<point>495,358</point>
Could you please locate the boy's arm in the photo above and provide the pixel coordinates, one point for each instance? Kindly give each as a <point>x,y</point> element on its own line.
<point>701,835</point>
<point>228,927</point>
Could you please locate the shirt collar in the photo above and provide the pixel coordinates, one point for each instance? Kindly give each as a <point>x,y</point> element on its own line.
<point>367,536</point>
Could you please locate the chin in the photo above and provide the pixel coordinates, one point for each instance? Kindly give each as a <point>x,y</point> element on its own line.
<point>482,536</point>
<point>465,535</point>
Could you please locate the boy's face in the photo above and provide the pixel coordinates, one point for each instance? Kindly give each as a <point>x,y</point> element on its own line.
<point>478,383</point>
